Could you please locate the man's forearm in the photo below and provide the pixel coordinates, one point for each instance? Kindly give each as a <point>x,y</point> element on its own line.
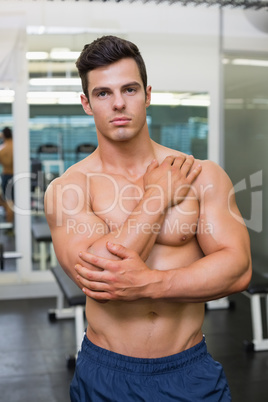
<point>212,277</point>
<point>140,229</point>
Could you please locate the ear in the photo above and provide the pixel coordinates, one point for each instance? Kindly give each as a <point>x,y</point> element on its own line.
<point>86,104</point>
<point>148,96</point>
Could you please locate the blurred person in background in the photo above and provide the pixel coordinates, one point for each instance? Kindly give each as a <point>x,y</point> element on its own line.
<point>6,161</point>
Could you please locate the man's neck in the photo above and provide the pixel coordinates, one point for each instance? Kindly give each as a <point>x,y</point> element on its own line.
<point>129,158</point>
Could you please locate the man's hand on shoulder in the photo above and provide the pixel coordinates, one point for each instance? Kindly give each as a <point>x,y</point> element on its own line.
<point>172,179</point>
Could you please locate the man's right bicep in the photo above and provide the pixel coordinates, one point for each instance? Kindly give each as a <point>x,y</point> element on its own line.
<point>74,226</point>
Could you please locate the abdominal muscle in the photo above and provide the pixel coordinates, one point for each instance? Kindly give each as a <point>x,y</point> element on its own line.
<point>149,328</point>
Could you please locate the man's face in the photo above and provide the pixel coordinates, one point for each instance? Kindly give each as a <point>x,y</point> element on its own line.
<point>117,100</point>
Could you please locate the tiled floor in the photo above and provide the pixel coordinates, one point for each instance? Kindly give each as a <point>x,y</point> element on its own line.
<point>33,352</point>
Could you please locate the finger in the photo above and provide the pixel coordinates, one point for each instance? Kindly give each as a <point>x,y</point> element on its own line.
<point>187,165</point>
<point>99,262</point>
<point>95,286</point>
<point>194,174</point>
<point>169,160</point>
<point>179,161</point>
<point>152,166</point>
<point>119,250</point>
<point>89,266</point>
<point>98,296</point>
<point>88,275</point>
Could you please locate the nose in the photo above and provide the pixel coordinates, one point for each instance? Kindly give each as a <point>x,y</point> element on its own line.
<point>119,102</point>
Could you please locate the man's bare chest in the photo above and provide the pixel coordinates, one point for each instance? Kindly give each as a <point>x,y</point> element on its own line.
<point>114,201</point>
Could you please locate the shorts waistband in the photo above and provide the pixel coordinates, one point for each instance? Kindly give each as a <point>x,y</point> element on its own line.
<point>137,365</point>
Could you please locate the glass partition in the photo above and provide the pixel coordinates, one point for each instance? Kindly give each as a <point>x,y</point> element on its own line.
<point>184,128</point>
<point>246,140</point>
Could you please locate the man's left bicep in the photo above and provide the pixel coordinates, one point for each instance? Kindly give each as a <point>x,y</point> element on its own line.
<point>220,223</point>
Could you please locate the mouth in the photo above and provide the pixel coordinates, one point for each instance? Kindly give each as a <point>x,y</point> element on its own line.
<point>120,121</point>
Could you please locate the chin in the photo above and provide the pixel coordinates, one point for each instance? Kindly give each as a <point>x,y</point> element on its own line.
<point>123,136</point>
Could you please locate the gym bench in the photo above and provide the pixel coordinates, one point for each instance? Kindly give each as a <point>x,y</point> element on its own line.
<point>7,255</point>
<point>42,236</point>
<point>258,290</point>
<point>76,300</point>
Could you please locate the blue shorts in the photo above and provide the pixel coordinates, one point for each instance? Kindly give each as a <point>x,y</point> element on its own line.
<point>189,376</point>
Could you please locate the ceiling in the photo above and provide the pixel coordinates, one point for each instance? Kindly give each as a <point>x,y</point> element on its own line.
<point>245,4</point>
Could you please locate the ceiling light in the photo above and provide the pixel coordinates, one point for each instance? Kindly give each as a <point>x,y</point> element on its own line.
<point>55,81</point>
<point>55,54</point>
<point>250,62</point>
<point>7,95</point>
<point>166,98</point>
<point>260,101</point>
<point>36,55</point>
<point>63,54</point>
<point>36,30</point>
<point>195,102</point>
<point>41,30</point>
<point>49,97</point>
<point>176,99</point>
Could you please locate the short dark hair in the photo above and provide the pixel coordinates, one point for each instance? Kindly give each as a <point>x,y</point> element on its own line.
<point>7,133</point>
<point>107,50</point>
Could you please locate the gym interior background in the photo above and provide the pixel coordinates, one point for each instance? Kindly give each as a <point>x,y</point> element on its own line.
<point>208,67</point>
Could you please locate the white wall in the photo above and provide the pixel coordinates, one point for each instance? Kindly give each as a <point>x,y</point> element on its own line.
<point>245,30</point>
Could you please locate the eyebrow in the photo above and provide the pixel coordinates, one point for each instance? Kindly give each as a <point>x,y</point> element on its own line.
<point>129,84</point>
<point>132,84</point>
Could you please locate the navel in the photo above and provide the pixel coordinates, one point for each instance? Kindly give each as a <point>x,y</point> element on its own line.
<point>152,315</point>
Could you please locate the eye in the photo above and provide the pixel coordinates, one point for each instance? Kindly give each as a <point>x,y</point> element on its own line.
<point>102,94</point>
<point>131,90</point>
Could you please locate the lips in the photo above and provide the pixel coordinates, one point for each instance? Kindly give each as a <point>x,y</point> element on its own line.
<point>119,121</point>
